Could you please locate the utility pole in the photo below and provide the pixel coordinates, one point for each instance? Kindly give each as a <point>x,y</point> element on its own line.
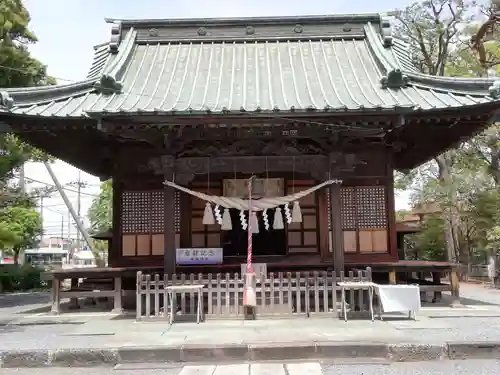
<point>62,230</point>
<point>79,185</point>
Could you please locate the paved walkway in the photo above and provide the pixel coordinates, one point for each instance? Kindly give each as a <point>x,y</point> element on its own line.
<point>435,325</point>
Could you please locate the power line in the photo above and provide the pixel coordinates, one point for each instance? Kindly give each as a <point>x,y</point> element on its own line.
<point>65,188</point>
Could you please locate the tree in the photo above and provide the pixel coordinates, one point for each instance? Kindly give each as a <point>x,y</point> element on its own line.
<point>18,217</point>
<point>22,226</point>
<point>17,69</point>
<point>100,212</point>
<point>431,28</point>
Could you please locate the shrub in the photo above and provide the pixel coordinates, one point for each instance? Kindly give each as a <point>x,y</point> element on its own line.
<point>15,278</point>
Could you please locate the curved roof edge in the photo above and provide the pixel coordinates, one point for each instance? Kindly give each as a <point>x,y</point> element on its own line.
<point>399,74</point>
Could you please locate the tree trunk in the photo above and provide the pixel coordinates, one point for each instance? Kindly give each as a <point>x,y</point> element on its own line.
<point>450,212</point>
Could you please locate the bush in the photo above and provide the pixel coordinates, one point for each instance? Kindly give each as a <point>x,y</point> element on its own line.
<point>15,278</point>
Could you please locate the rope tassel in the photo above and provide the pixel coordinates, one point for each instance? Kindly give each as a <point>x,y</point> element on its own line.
<point>296,213</point>
<point>278,219</point>
<point>226,221</point>
<point>208,215</point>
<point>254,222</point>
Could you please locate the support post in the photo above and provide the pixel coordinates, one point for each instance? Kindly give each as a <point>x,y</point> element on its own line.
<point>56,296</point>
<point>337,236</point>
<point>169,259</point>
<point>455,288</point>
<point>117,299</point>
<point>392,276</point>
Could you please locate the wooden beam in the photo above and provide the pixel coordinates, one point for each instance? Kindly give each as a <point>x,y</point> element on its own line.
<point>337,236</point>
<point>169,259</point>
<point>314,165</point>
<point>116,226</point>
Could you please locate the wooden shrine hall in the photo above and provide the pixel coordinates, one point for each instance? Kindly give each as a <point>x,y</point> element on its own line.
<point>295,101</point>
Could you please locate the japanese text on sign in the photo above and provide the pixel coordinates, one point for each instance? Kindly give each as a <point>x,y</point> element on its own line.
<point>199,256</point>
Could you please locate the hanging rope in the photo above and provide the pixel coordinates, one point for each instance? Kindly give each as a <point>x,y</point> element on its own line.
<point>257,205</point>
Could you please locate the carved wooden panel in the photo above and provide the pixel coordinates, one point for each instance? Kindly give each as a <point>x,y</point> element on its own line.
<point>304,237</point>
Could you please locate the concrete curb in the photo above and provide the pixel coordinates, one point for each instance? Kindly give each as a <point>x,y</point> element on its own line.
<point>191,353</point>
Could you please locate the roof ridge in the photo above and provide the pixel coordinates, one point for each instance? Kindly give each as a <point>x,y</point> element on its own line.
<point>235,21</point>
<point>109,81</point>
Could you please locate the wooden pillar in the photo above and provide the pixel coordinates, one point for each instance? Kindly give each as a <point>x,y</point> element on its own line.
<point>392,276</point>
<point>115,248</point>
<point>337,235</point>
<point>455,288</point>
<point>169,229</point>
<point>56,295</point>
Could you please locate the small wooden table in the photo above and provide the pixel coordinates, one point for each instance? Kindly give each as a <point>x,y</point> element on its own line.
<point>172,291</point>
<point>357,285</point>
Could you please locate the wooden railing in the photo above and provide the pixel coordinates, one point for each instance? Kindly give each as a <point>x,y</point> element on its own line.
<point>278,294</point>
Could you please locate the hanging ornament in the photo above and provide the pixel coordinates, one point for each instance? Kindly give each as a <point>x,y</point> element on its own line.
<point>278,219</point>
<point>208,215</point>
<point>243,220</point>
<point>255,223</point>
<point>266,219</point>
<point>218,216</point>
<point>296,213</point>
<point>226,220</point>
<point>288,214</point>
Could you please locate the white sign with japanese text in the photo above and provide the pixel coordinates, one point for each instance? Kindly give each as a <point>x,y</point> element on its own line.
<point>199,256</point>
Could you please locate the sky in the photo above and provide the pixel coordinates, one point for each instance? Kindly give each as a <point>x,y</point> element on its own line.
<point>68,29</point>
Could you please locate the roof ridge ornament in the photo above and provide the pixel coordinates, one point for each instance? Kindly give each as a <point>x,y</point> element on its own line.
<point>385,24</point>
<point>108,85</point>
<point>494,90</point>
<point>6,101</point>
<point>116,34</point>
<point>395,79</point>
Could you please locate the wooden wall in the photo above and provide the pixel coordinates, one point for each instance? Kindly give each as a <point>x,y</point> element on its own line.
<point>304,237</point>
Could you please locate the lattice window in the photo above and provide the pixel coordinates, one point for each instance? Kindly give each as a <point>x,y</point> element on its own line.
<point>348,207</point>
<point>157,211</point>
<point>135,211</point>
<point>371,207</point>
<point>144,211</point>
<point>177,211</point>
<point>328,207</point>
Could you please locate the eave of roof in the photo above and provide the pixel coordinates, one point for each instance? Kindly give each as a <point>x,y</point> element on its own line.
<point>354,70</point>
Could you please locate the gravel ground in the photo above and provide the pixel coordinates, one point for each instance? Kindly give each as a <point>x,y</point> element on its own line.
<point>470,367</point>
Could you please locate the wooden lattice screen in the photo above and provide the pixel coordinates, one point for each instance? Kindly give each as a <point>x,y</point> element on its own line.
<point>303,237</point>
<point>364,218</point>
<point>142,222</point>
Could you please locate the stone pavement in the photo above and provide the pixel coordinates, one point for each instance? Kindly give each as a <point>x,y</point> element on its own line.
<point>37,338</point>
<point>470,367</point>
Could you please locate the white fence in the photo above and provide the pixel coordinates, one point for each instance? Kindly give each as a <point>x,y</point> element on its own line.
<point>278,294</point>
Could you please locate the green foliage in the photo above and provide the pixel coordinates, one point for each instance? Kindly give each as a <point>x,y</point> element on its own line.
<point>21,226</point>
<point>100,212</point>
<point>430,243</point>
<point>15,278</point>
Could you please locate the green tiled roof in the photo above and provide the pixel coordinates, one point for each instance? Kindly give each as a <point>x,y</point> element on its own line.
<point>253,65</point>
